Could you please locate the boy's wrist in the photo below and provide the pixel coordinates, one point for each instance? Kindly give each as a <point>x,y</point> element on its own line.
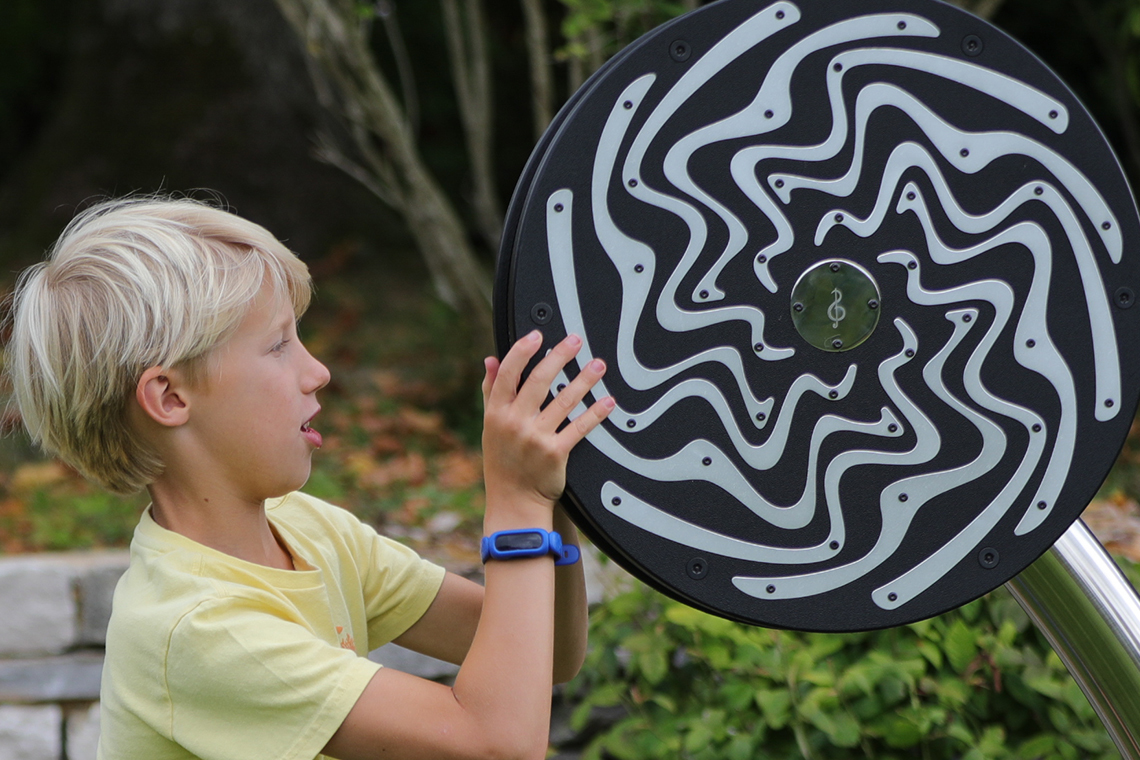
<point>507,511</point>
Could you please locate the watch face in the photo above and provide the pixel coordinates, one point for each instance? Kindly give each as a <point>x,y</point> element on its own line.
<point>518,541</point>
<point>863,272</point>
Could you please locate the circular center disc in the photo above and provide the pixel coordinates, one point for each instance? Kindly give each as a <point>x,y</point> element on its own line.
<point>835,305</point>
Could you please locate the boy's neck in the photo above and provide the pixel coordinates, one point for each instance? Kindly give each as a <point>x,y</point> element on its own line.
<point>236,528</point>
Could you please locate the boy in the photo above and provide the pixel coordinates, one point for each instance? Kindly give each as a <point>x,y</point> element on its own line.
<point>157,347</point>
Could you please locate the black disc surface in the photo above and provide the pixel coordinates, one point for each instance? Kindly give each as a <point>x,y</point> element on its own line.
<point>862,272</point>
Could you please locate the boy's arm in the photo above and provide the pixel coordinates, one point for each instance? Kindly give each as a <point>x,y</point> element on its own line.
<point>447,628</point>
<point>571,615</point>
<point>499,706</point>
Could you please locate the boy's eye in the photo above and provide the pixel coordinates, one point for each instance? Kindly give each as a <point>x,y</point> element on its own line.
<point>280,346</point>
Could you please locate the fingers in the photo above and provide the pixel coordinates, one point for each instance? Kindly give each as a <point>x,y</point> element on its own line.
<point>502,387</point>
<point>538,383</point>
<point>502,380</point>
<point>569,396</point>
<point>491,364</point>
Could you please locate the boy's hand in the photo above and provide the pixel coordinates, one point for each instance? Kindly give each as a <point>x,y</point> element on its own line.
<point>524,452</point>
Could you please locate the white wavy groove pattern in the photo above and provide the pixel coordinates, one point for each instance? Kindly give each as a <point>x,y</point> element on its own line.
<point>636,264</point>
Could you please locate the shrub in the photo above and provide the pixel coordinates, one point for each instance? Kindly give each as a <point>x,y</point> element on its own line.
<point>977,683</point>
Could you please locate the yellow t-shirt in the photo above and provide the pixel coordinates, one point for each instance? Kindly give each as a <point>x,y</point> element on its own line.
<point>212,657</point>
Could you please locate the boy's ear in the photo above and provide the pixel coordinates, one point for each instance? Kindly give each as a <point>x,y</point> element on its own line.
<point>161,395</point>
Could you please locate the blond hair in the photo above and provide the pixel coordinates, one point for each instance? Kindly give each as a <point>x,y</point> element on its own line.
<point>130,284</point>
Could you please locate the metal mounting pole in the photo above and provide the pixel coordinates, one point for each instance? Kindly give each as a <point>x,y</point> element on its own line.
<point>1090,613</point>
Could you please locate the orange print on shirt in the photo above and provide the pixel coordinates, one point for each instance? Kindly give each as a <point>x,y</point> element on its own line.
<point>346,642</point>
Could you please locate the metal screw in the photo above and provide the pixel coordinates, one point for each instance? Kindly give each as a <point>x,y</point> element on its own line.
<point>706,461</point>
<point>964,152</point>
<point>779,183</point>
<point>697,568</point>
<point>892,428</point>
<point>967,318</point>
<point>771,589</point>
<point>903,497</point>
<point>988,557</point>
<point>902,25</point>
<point>1125,298</point>
<point>615,500</point>
<point>704,294</point>
<point>797,306</point>
<point>769,114</point>
<point>838,218</point>
<point>758,347</point>
<point>541,313</point>
<point>911,196</point>
<point>1036,428</point>
<point>972,45</point>
<point>1106,225</point>
<point>833,395</point>
<point>909,353</point>
<point>1030,343</point>
<point>1053,114</point>
<point>837,343</point>
<point>631,424</point>
<point>779,14</point>
<point>893,596</point>
<point>680,51</point>
<point>762,259</point>
<point>834,545</point>
<point>1041,505</point>
<point>561,387</point>
<point>1108,402</point>
<point>838,67</point>
<point>1038,190</point>
<point>912,265</point>
<point>760,416</point>
<point>632,183</point>
<point>639,268</point>
<point>872,304</point>
<point>558,208</point>
<point>835,264</point>
<point>627,104</point>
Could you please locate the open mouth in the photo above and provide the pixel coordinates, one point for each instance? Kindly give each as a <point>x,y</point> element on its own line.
<point>311,435</point>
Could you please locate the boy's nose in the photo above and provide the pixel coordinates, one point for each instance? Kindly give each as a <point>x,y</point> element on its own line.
<point>318,375</point>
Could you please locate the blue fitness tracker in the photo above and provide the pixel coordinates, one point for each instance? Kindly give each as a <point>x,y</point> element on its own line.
<point>528,542</point>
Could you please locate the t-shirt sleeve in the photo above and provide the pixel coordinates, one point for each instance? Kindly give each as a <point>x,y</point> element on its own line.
<point>247,683</point>
<point>398,586</point>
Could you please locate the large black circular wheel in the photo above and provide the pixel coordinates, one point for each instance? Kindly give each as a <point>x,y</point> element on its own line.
<point>863,272</point>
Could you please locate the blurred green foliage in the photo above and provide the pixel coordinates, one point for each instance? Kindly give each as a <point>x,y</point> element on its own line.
<point>978,683</point>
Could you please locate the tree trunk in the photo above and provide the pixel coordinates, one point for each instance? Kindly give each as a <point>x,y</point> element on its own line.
<point>541,78</point>
<point>334,40</point>
<point>471,72</point>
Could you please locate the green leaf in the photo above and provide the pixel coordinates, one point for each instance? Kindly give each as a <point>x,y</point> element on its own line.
<point>900,733</point>
<point>776,706</point>
<point>844,731</point>
<point>1037,747</point>
<point>653,665</point>
<point>740,748</point>
<point>931,653</point>
<point>960,645</point>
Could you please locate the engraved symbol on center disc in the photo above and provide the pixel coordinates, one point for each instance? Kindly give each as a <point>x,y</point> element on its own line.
<point>835,305</point>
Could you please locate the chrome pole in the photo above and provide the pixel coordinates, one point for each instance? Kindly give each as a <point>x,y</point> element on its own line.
<point>1090,613</point>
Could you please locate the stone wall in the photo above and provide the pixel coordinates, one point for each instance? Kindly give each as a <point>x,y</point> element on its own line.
<point>54,610</point>
<point>53,622</point>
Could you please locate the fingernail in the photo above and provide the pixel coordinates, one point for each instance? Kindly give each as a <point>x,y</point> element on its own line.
<point>534,335</point>
<point>573,340</point>
<point>609,402</point>
<point>597,365</point>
